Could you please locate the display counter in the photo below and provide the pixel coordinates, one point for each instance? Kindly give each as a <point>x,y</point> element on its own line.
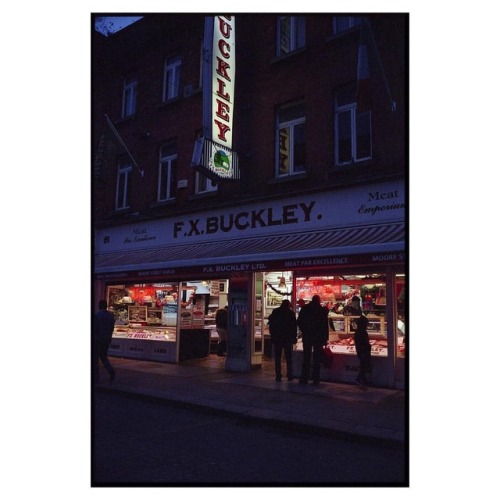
<point>144,342</point>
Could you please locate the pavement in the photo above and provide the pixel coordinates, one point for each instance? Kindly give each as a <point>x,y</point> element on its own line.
<point>342,410</point>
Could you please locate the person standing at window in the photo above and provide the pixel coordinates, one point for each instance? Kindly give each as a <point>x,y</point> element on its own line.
<point>283,330</point>
<point>313,323</point>
<point>362,344</point>
<point>102,331</point>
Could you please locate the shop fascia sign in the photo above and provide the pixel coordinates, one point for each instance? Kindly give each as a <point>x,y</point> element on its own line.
<point>351,207</point>
<point>387,258</point>
<point>213,154</point>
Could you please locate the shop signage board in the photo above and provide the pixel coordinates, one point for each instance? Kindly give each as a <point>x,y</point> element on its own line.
<point>213,153</point>
<point>227,269</point>
<point>356,206</point>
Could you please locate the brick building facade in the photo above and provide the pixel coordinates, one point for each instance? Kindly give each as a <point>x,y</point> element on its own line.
<point>319,113</point>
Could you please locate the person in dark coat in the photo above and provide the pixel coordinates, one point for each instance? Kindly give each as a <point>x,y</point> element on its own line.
<point>102,331</point>
<point>283,330</point>
<point>221,317</point>
<point>313,323</point>
<point>362,344</point>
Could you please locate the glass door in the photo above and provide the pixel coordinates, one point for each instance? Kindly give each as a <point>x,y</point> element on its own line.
<point>258,323</point>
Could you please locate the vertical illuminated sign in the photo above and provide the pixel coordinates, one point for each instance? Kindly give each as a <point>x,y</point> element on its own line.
<point>213,154</point>
<point>223,71</point>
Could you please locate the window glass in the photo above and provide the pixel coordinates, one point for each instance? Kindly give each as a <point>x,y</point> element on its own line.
<point>144,311</point>
<point>167,177</point>
<point>336,293</point>
<point>363,136</point>
<point>291,34</point>
<point>284,150</point>
<point>299,148</point>
<point>401,321</point>
<point>124,169</point>
<point>172,74</point>
<point>204,184</point>
<point>344,137</point>
<point>129,97</point>
<point>284,35</point>
<point>291,144</point>
<point>353,135</point>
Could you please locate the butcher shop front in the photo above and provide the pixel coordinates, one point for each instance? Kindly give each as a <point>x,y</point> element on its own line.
<point>166,279</point>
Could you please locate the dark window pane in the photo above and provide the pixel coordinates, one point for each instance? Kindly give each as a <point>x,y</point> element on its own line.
<point>363,135</point>
<point>344,137</point>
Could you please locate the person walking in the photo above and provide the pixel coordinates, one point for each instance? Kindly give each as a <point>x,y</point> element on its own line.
<point>362,344</point>
<point>313,323</point>
<point>221,326</point>
<point>283,330</point>
<point>102,331</point>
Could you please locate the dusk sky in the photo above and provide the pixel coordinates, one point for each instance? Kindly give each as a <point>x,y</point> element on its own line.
<point>119,22</point>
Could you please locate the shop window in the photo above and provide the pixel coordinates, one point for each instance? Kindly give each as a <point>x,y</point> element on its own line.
<point>150,318</point>
<point>344,23</point>
<point>122,184</point>
<point>171,78</point>
<point>353,136</point>
<point>401,327</point>
<point>291,140</point>
<point>167,172</point>
<point>129,99</point>
<point>291,34</point>
<point>336,294</point>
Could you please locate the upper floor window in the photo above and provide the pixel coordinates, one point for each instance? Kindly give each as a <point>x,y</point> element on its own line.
<point>291,140</point>
<point>167,172</point>
<point>204,184</point>
<point>343,23</point>
<point>291,34</point>
<point>122,184</point>
<point>171,78</point>
<point>129,97</point>
<point>353,135</point>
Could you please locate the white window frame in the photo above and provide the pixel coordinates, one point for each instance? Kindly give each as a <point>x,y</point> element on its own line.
<point>166,168</point>
<point>122,185</point>
<point>171,78</point>
<point>291,126</point>
<point>204,184</point>
<point>351,109</point>
<point>129,99</point>
<point>296,27</point>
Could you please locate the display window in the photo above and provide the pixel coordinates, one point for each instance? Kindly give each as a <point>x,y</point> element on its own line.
<point>177,317</point>
<point>401,315</point>
<point>336,293</point>
<point>145,311</point>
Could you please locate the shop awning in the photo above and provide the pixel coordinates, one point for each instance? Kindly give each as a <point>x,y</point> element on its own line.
<point>344,241</point>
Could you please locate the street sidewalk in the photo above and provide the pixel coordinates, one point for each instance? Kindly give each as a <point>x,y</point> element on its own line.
<point>342,410</point>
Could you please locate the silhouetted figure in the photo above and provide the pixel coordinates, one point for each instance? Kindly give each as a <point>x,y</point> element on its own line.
<point>102,331</point>
<point>283,330</point>
<point>363,347</point>
<point>221,326</point>
<point>313,323</point>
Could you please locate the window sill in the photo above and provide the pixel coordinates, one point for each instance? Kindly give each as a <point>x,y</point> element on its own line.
<point>198,196</point>
<point>165,104</point>
<point>288,55</point>
<point>164,203</point>
<point>344,34</point>
<point>288,178</point>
